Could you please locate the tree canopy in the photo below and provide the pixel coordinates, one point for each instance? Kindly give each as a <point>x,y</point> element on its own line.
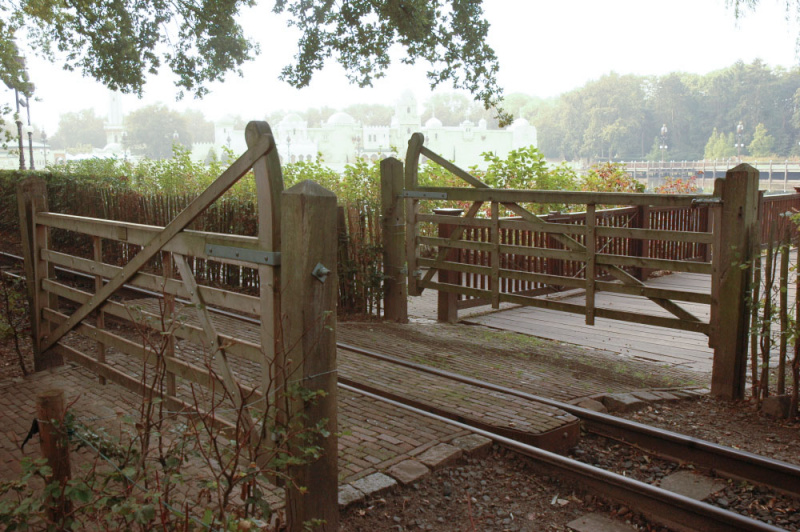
<point>153,130</point>
<point>119,42</point>
<point>81,128</point>
<point>620,117</point>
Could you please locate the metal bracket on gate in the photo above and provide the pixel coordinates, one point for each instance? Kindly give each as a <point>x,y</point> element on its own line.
<point>416,194</point>
<point>706,201</point>
<point>270,258</point>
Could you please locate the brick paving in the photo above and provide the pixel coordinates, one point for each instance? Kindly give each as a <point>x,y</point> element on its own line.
<point>375,436</point>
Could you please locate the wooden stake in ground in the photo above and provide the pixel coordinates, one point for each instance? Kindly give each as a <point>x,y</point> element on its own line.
<point>55,447</point>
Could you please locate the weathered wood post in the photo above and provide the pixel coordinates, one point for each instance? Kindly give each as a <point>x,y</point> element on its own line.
<point>55,447</point>
<point>640,247</point>
<point>308,290</point>
<point>447,306</point>
<point>731,279</point>
<point>32,199</point>
<point>395,289</point>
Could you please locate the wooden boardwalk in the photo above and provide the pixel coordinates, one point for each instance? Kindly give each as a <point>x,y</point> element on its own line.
<point>667,347</point>
<point>644,342</point>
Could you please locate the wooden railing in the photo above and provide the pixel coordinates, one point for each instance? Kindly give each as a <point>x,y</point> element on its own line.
<point>666,218</point>
<point>773,212</point>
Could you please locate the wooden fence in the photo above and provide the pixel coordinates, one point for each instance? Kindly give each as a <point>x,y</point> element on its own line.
<point>479,259</point>
<point>219,361</point>
<point>773,210</point>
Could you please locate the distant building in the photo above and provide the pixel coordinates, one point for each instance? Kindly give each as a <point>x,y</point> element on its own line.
<point>341,139</point>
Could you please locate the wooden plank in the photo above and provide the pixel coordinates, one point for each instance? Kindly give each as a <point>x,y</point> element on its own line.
<point>228,178</point>
<point>650,292</point>
<point>656,234</point>
<point>439,242</point>
<point>655,264</point>
<point>189,243</point>
<point>394,257</point>
<point>100,319</point>
<point>591,261</point>
<point>447,165</point>
<point>738,224</point>
<point>547,227</point>
<point>155,283</point>
<point>309,241</point>
<point>452,220</point>
<point>183,330</point>
<point>645,319</point>
<point>215,348</point>
<point>542,278</point>
<point>167,268</point>
<point>136,386</point>
<point>146,355</point>
<point>453,241</point>
<point>495,257</point>
<point>617,272</point>
<point>31,200</point>
<point>269,186</point>
<point>558,196</point>
<point>411,170</point>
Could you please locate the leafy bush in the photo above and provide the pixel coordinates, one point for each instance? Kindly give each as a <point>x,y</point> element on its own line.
<point>610,177</point>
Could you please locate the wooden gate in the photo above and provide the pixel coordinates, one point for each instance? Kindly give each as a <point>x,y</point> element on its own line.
<point>237,360</point>
<point>475,253</point>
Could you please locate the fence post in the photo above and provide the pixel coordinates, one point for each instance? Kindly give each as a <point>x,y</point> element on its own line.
<point>738,224</point>
<point>641,247</point>
<point>308,282</point>
<point>55,447</point>
<point>395,289</point>
<point>31,199</point>
<point>447,307</point>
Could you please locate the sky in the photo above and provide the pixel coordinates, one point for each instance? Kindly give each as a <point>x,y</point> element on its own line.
<point>544,48</point>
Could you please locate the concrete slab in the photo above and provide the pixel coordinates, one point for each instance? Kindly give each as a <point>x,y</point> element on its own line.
<point>408,471</point>
<point>349,495</point>
<point>646,396</point>
<point>375,484</point>
<point>593,405</point>
<point>691,484</point>
<point>597,523</point>
<point>666,396</point>
<point>622,402</point>
<point>440,455</point>
<point>473,444</point>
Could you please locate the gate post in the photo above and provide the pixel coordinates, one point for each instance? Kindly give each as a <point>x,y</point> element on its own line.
<point>308,290</point>
<point>447,305</point>
<point>32,199</point>
<point>55,449</point>
<point>731,280</point>
<point>395,289</point>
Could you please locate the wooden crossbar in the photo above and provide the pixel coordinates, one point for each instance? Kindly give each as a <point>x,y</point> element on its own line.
<point>616,271</point>
<point>225,181</point>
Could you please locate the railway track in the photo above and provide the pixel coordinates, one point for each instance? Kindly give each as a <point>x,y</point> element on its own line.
<point>664,507</point>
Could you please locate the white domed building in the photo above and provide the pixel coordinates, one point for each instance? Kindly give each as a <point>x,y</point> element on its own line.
<point>342,139</point>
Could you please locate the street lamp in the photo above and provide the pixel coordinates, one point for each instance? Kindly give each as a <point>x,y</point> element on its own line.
<point>30,131</point>
<point>44,148</point>
<point>663,145</point>
<point>739,142</point>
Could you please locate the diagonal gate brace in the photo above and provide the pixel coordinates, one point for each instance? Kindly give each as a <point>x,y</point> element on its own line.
<point>225,181</point>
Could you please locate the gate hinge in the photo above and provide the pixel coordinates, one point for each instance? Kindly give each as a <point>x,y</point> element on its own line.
<point>418,194</point>
<point>706,201</point>
<point>270,258</point>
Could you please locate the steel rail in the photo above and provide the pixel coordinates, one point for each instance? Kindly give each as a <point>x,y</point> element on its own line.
<point>723,461</point>
<point>665,507</point>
